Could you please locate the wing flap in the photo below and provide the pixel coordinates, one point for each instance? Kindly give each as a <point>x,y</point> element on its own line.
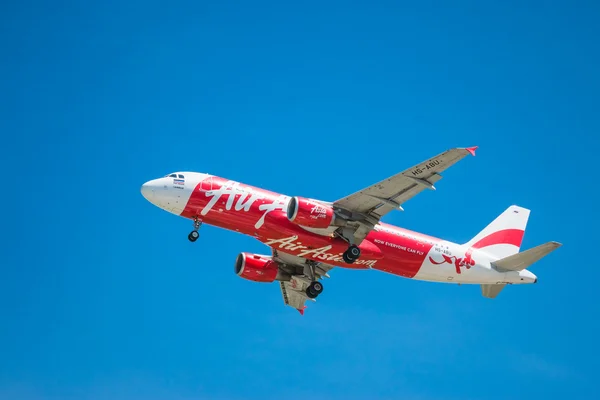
<point>293,297</point>
<point>294,290</point>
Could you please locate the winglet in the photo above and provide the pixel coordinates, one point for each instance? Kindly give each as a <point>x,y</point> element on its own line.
<point>301,310</point>
<point>472,150</point>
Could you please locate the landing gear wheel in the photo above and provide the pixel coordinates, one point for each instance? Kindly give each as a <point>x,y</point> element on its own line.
<point>193,236</point>
<point>317,287</point>
<point>347,259</point>
<point>354,251</point>
<point>314,289</point>
<point>352,254</point>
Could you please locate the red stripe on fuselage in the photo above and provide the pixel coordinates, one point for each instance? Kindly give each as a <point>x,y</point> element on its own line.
<point>404,251</point>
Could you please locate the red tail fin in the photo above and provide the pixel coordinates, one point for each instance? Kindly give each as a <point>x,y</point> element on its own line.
<point>503,237</point>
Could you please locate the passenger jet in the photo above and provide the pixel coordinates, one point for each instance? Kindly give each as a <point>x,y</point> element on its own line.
<point>309,237</point>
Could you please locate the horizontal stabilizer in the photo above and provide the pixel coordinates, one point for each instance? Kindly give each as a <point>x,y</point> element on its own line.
<point>520,261</point>
<point>491,291</point>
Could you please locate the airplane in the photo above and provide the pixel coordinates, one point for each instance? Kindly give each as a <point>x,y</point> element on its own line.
<point>309,237</point>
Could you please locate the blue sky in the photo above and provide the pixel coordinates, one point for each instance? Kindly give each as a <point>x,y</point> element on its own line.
<point>101,294</point>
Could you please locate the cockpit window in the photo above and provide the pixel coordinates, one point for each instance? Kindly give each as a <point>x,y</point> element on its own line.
<point>173,176</point>
<point>180,176</point>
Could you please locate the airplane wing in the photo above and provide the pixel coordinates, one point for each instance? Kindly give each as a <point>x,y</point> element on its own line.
<point>294,290</point>
<point>364,209</point>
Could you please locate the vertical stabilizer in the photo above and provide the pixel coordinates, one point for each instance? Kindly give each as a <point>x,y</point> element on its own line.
<point>504,235</point>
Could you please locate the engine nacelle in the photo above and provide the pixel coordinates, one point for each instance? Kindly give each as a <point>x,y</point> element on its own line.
<point>256,267</point>
<point>310,213</point>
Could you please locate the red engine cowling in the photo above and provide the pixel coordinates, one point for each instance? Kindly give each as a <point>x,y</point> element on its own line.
<point>310,213</point>
<point>255,267</point>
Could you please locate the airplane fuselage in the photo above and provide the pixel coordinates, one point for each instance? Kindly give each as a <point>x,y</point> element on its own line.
<point>262,214</point>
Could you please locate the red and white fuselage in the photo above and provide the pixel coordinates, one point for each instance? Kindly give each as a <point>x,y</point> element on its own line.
<point>306,231</point>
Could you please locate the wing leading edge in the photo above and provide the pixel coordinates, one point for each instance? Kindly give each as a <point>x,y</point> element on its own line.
<point>365,208</point>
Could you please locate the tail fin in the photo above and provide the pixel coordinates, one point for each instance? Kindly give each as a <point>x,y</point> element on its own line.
<point>503,237</point>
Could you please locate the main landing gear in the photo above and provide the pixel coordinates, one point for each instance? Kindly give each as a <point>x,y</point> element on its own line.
<point>315,287</point>
<point>194,235</point>
<point>352,254</point>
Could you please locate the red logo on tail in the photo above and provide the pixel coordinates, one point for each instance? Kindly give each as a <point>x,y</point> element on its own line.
<point>506,236</point>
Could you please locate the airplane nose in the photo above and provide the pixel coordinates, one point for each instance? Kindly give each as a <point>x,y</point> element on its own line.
<point>148,191</point>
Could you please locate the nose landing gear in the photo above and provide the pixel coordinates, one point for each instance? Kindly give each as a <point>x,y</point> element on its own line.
<point>194,235</point>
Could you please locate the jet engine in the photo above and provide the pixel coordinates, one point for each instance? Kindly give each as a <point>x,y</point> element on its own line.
<point>310,213</point>
<point>258,268</point>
